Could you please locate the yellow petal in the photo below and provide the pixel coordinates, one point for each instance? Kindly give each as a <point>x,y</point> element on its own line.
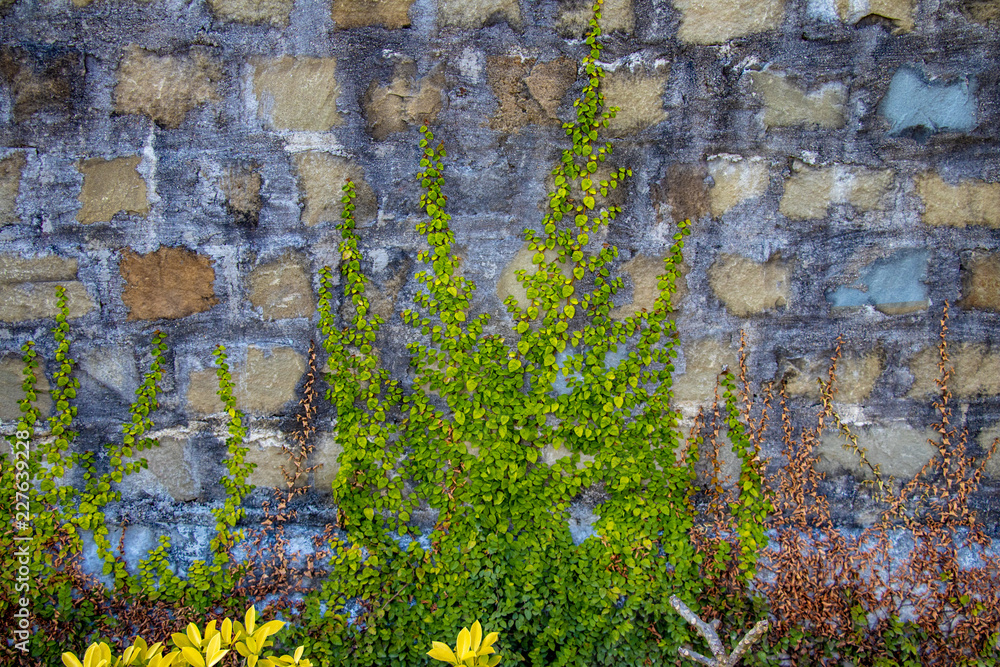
<point>90,657</point>
<point>194,635</point>
<point>251,616</point>
<point>477,637</point>
<point>193,656</point>
<point>464,641</point>
<point>298,654</point>
<point>271,627</point>
<point>180,640</point>
<point>214,644</point>
<point>490,640</point>
<point>149,652</point>
<point>442,652</point>
<point>70,660</point>
<point>227,632</point>
<point>494,661</point>
<point>216,657</point>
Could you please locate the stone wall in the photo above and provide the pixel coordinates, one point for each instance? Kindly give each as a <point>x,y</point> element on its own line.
<point>177,166</point>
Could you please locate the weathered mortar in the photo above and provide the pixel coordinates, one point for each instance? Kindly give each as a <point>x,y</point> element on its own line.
<point>181,171</point>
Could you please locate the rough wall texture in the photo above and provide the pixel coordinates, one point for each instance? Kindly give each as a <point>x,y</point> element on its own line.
<point>180,170</point>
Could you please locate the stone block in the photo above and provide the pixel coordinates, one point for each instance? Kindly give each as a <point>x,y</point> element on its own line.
<point>682,194</point>
<point>718,21</point>
<point>856,375</point>
<point>894,285</point>
<point>168,473</point>
<point>11,391</point>
<point>991,469</point>
<point>703,361</point>
<point>527,92</point>
<point>298,93</point>
<point>976,371</point>
<point>326,453</point>
<point>114,368</point>
<point>968,202</point>
<point>736,179</point>
<point>786,104</point>
<point>474,14</point>
<point>165,88</point>
<point>283,289</point>
<point>986,12</point>
<point>638,98</point>
<point>644,272</point>
<point>981,281</point>
<point>746,287</point>
<point>241,187</point>
<point>272,12</point>
<point>321,179</point>
<point>38,85</point>
<point>269,455</point>
<point>405,102</point>
<point>810,192</point>
<point>170,283</point>
<point>28,288</point>
<point>10,184</point>
<point>616,15</point>
<point>913,102</point>
<point>508,285</point>
<point>898,450</point>
<point>392,14</point>
<point>110,186</point>
<point>264,383</point>
<point>899,13</point>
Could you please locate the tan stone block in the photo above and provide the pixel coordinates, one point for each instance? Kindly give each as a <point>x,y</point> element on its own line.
<point>981,282</point>
<point>986,12</point>
<point>639,99</point>
<point>270,459</point>
<point>746,287</point>
<point>321,178</point>
<point>165,88</point>
<point>682,194</point>
<point>241,187</point>
<point>170,283</point>
<point>18,269</point>
<point>474,14</point>
<point>810,192</point>
<point>856,376</point>
<point>976,371</point>
<point>168,471</point>
<point>527,92</point>
<point>900,12</point>
<point>865,188</point>
<point>898,450</point>
<point>10,183</point>
<point>508,285</point>
<point>807,194</point>
<point>703,361</point>
<point>404,102</point>
<point>393,14</point>
<point>985,440</point>
<point>273,12</point>
<point>326,454</point>
<point>283,289</point>
<point>785,104</point>
<point>264,383</point>
<point>969,202</point>
<point>616,15</point>
<point>110,186</point>
<point>718,21</point>
<point>38,86</point>
<point>298,93</point>
<point>548,83</point>
<point>645,272</point>
<point>736,180</point>
<point>11,391</point>
<point>20,302</point>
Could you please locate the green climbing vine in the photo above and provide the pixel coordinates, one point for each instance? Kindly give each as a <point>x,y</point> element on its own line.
<point>486,444</point>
